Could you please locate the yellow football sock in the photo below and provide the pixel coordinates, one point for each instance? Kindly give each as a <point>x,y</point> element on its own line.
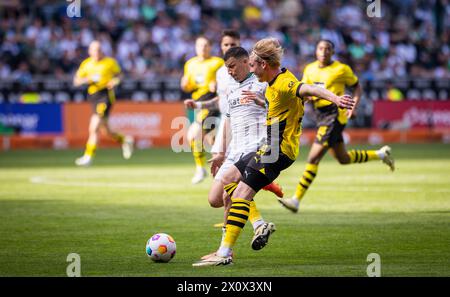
<point>305,181</point>
<point>254,215</point>
<point>230,188</point>
<point>361,156</point>
<point>198,153</point>
<point>237,217</point>
<point>90,149</point>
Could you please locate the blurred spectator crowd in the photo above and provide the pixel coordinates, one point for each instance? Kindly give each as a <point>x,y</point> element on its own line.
<point>154,38</point>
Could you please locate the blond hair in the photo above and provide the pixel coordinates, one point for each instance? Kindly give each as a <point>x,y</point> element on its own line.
<point>269,50</point>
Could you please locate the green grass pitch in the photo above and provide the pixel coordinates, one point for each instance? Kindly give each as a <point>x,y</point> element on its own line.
<point>50,208</point>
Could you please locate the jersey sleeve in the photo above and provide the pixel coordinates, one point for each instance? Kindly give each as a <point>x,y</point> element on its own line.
<point>305,78</point>
<point>220,63</point>
<point>186,67</point>
<point>215,68</point>
<point>292,88</point>
<point>350,79</point>
<point>81,72</point>
<point>115,67</point>
<point>191,85</point>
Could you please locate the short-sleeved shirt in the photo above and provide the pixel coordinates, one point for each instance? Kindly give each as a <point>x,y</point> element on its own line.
<point>286,110</point>
<point>200,73</point>
<point>98,72</point>
<point>334,77</point>
<point>246,118</point>
<point>223,79</point>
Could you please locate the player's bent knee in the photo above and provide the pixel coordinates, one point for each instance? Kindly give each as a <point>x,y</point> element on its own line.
<point>215,202</point>
<point>215,198</point>
<point>215,195</point>
<point>94,130</point>
<point>232,175</point>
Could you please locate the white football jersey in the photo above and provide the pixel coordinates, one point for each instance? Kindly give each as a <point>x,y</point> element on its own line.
<point>223,79</point>
<point>247,118</point>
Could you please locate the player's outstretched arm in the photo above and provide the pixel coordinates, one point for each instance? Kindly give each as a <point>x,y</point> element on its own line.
<point>78,81</point>
<point>356,94</point>
<point>345,101</point>
<point>114,82</point>
<point>184,84</point>
<point>212,103</point>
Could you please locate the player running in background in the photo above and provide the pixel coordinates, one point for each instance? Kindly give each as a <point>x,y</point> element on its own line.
<point>102,75</point>
<point>199,79</point>
<point>335,77</point>
<point>284,96</point>
<point>243,132</point>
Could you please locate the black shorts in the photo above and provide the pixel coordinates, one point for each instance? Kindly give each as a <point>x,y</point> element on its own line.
<point>207,118</point>
<point>102,102</point>
<point>257,174</point>
<point>329,132</point>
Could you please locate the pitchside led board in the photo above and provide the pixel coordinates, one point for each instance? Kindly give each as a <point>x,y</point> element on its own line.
<point>149,123</point>
<point>32,119</point>
<point>411,114</point>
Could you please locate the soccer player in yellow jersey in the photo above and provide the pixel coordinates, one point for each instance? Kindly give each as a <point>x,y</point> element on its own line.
<point>335,77</point>
<point>199,79</point>
<point>284,97</point>
<point>230,39</point>
<point>102,75</point>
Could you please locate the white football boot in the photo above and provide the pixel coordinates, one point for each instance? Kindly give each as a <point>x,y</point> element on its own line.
<point>84,161</point>
<point>387,159</point>
<point>214,260</point>
<point>262,234</point>
<point>200,175</point>
<point>290,203</point>
<point>127,147</point>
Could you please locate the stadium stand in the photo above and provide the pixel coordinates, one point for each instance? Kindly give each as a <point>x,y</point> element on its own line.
<point>402,55</point>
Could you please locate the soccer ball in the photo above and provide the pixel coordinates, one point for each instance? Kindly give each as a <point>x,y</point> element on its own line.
<point>161,247</point>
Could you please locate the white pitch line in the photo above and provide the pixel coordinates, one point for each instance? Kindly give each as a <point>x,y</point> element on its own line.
<point>384,190</point>
<point>46,181</point>
<point>55,182</point>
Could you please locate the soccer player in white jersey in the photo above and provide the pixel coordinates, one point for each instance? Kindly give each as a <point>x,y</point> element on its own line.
<point>230,38</point>
<point>245,118</point>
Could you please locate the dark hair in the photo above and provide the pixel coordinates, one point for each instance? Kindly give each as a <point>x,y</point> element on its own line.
<point>235,52</point>
<point>231,33</point>
<point>325,40</point>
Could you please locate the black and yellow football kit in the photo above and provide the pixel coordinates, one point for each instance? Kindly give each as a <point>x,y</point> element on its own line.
<point>100,74</point>
<point>284,119</point>
<point>200,74</point>
<point>258,169</point>
<point>331,120</point>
